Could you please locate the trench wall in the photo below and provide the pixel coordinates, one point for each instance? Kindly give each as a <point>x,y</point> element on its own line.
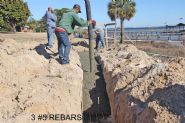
<point>142,89</point>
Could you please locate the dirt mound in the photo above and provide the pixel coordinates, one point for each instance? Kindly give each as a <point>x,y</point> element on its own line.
<point>142,89</point>
<point>80,45</point>
<point>32,84</point>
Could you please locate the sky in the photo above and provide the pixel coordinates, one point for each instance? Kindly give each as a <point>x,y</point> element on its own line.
<point>148,12</point>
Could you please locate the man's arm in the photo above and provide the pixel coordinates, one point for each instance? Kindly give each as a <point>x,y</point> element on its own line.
<point>79,21</point>
<point>54,17</point>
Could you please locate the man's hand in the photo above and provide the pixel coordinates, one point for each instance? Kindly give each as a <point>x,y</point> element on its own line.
<point>89,22</point>
<point>92,22</point>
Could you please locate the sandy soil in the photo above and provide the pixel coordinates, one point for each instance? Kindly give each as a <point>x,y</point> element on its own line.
<point>33,83</point>
<point>143,89</point>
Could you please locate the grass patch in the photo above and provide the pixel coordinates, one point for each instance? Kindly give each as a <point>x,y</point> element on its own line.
<point>161,48</point>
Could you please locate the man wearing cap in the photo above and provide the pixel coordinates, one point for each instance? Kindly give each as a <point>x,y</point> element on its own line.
<point>50,25</point>
<point>69,20</point>
<point>100,42</point>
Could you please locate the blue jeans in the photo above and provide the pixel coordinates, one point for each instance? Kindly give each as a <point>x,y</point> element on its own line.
<point>100,41</point>
<point>50,34</point>
<point>64,46</point>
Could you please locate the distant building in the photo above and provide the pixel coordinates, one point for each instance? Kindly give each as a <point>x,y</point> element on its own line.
<point>27,29</point>
<point>24,29</point>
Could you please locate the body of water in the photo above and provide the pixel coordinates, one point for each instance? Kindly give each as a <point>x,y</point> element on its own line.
<point>172,33</point>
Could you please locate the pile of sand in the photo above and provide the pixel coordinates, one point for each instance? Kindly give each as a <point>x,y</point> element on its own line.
<point>32,82</point>
<point>142,89</point>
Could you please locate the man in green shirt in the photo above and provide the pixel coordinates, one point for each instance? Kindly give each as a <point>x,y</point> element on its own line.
<point>69,20</point>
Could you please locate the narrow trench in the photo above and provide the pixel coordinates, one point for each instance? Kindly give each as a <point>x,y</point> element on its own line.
<point>96,105</point>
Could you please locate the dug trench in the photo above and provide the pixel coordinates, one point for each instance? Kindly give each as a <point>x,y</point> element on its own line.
<point>96,106</point>
<point>32,82</point>
<point>141,88</point>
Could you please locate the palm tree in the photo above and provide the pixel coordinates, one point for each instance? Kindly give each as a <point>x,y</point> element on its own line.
<point>112,12</point>
<point>125,9</point>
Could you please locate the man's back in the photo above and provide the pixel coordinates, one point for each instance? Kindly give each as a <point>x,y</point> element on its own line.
<point>100,31</point>
<point>50,19</point>
<point>69,20</point>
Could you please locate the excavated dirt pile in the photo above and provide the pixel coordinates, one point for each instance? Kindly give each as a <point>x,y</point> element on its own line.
<point>34,87</point>
<point>142,89</point>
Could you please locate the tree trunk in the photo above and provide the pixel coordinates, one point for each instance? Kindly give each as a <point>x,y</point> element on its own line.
<point>115,26</point>
<point>14,28</point>
<point>13,25</point>
<point>122,31</point>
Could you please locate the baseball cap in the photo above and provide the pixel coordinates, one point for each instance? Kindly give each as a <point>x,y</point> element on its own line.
<point>77,6</point>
